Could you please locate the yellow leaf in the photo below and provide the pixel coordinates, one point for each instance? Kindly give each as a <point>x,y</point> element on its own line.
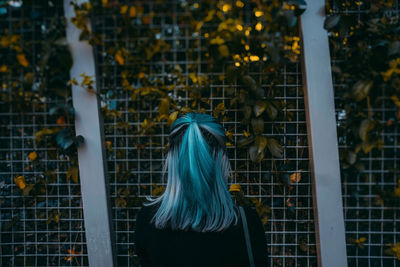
<point>259,26</point>
<point>20,182</point>
<point>235,188</point>
<point>32,156</point>
<point>22,60</point>
<point>217,40</point>
<point>163,106</point>
<point>123,9</point>
<point>141,75</point>
<point>226,7</point>
<point>239,4</point>
<point>172,117</point>
<point>254,58</point>
<point>104,2</point>
<point>258,13</point>
<point>224,50</point>
<point>72,173</point>
<point>119,58</point>
<point>362,239</point>
<point>295,177</point>
<point>57,218</point>
<point>132,11</point>
<point>3,68</point>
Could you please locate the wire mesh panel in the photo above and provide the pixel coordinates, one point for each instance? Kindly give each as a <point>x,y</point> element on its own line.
<point>369,165</point>
<point>40,207</point>
<point>136,141</point>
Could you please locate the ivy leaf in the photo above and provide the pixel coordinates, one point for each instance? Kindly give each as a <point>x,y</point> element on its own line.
<point>244,141</point>
<point>258,125</point>
<point>331,21</point>
<point>259,107</point>
<point>65,140</point>
<point>351,157</point>
<point>163,108</point>
<point>260,143</point>
<point>250,83</point>
<point>223,50</point>
<point>27,189</point>
<point>272,111</point>
<point>172,117</point>
<point>72,173</point>
<point>246,113</point>
<point>361,89</point>
<point>275,148</point>
<point>393,250</point>
<point>255,154</point>
<point>365,127</point>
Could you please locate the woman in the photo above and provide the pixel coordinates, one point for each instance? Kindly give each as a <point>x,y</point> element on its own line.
<point>195,222</point>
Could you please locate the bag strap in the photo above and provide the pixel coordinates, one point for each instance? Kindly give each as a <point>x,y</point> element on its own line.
<point>247,236</point>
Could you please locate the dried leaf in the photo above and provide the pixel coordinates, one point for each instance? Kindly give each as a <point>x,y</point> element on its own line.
<point>119,58</point>
<point>72,173</point>
<point>20,182</point>
<point>235,188</point>
<point>295,177</point>
<point>22,60</point>
<point>32,156</point>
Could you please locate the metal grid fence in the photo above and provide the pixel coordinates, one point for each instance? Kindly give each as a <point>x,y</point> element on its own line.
<point>135,160</point>
<point>365,216</point>
<point>45,226</point>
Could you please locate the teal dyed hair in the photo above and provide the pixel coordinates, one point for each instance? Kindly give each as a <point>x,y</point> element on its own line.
<point>196,195</point>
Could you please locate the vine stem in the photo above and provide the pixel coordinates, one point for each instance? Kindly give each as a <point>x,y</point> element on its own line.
<point>369,107</point>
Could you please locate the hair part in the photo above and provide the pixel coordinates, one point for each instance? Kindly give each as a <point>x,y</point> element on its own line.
<point>196,195</point>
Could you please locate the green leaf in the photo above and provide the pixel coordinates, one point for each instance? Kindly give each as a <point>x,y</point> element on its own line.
<point>259,107</point>
<point>260,142</point>
<point>223,50</point>
<point>361,89</point>
<point>365,127</point>
<point>251,84</point>
<point>331,21</point>
<point>245,141</point>
<point>351,157</point>
<point>272,111</point>
<point>163,108</point>
<point>255,154</point>
<point>247,112</point>
<point>258,125</point>
<point>275,148</point>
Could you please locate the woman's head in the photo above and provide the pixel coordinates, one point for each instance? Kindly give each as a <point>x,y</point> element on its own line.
<point>196,195</point>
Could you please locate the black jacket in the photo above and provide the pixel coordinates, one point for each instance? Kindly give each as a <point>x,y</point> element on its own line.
<point>166,247</point>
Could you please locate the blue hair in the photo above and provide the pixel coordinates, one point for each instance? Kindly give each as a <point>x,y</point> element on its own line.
<point>196,195</point>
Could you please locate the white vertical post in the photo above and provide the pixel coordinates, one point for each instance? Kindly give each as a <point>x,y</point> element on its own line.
<point>91,155</point>
<point>322,137</point>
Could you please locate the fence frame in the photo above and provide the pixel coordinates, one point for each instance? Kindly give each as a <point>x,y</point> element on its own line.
<point>322,137</point>
<point>91,154</point>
